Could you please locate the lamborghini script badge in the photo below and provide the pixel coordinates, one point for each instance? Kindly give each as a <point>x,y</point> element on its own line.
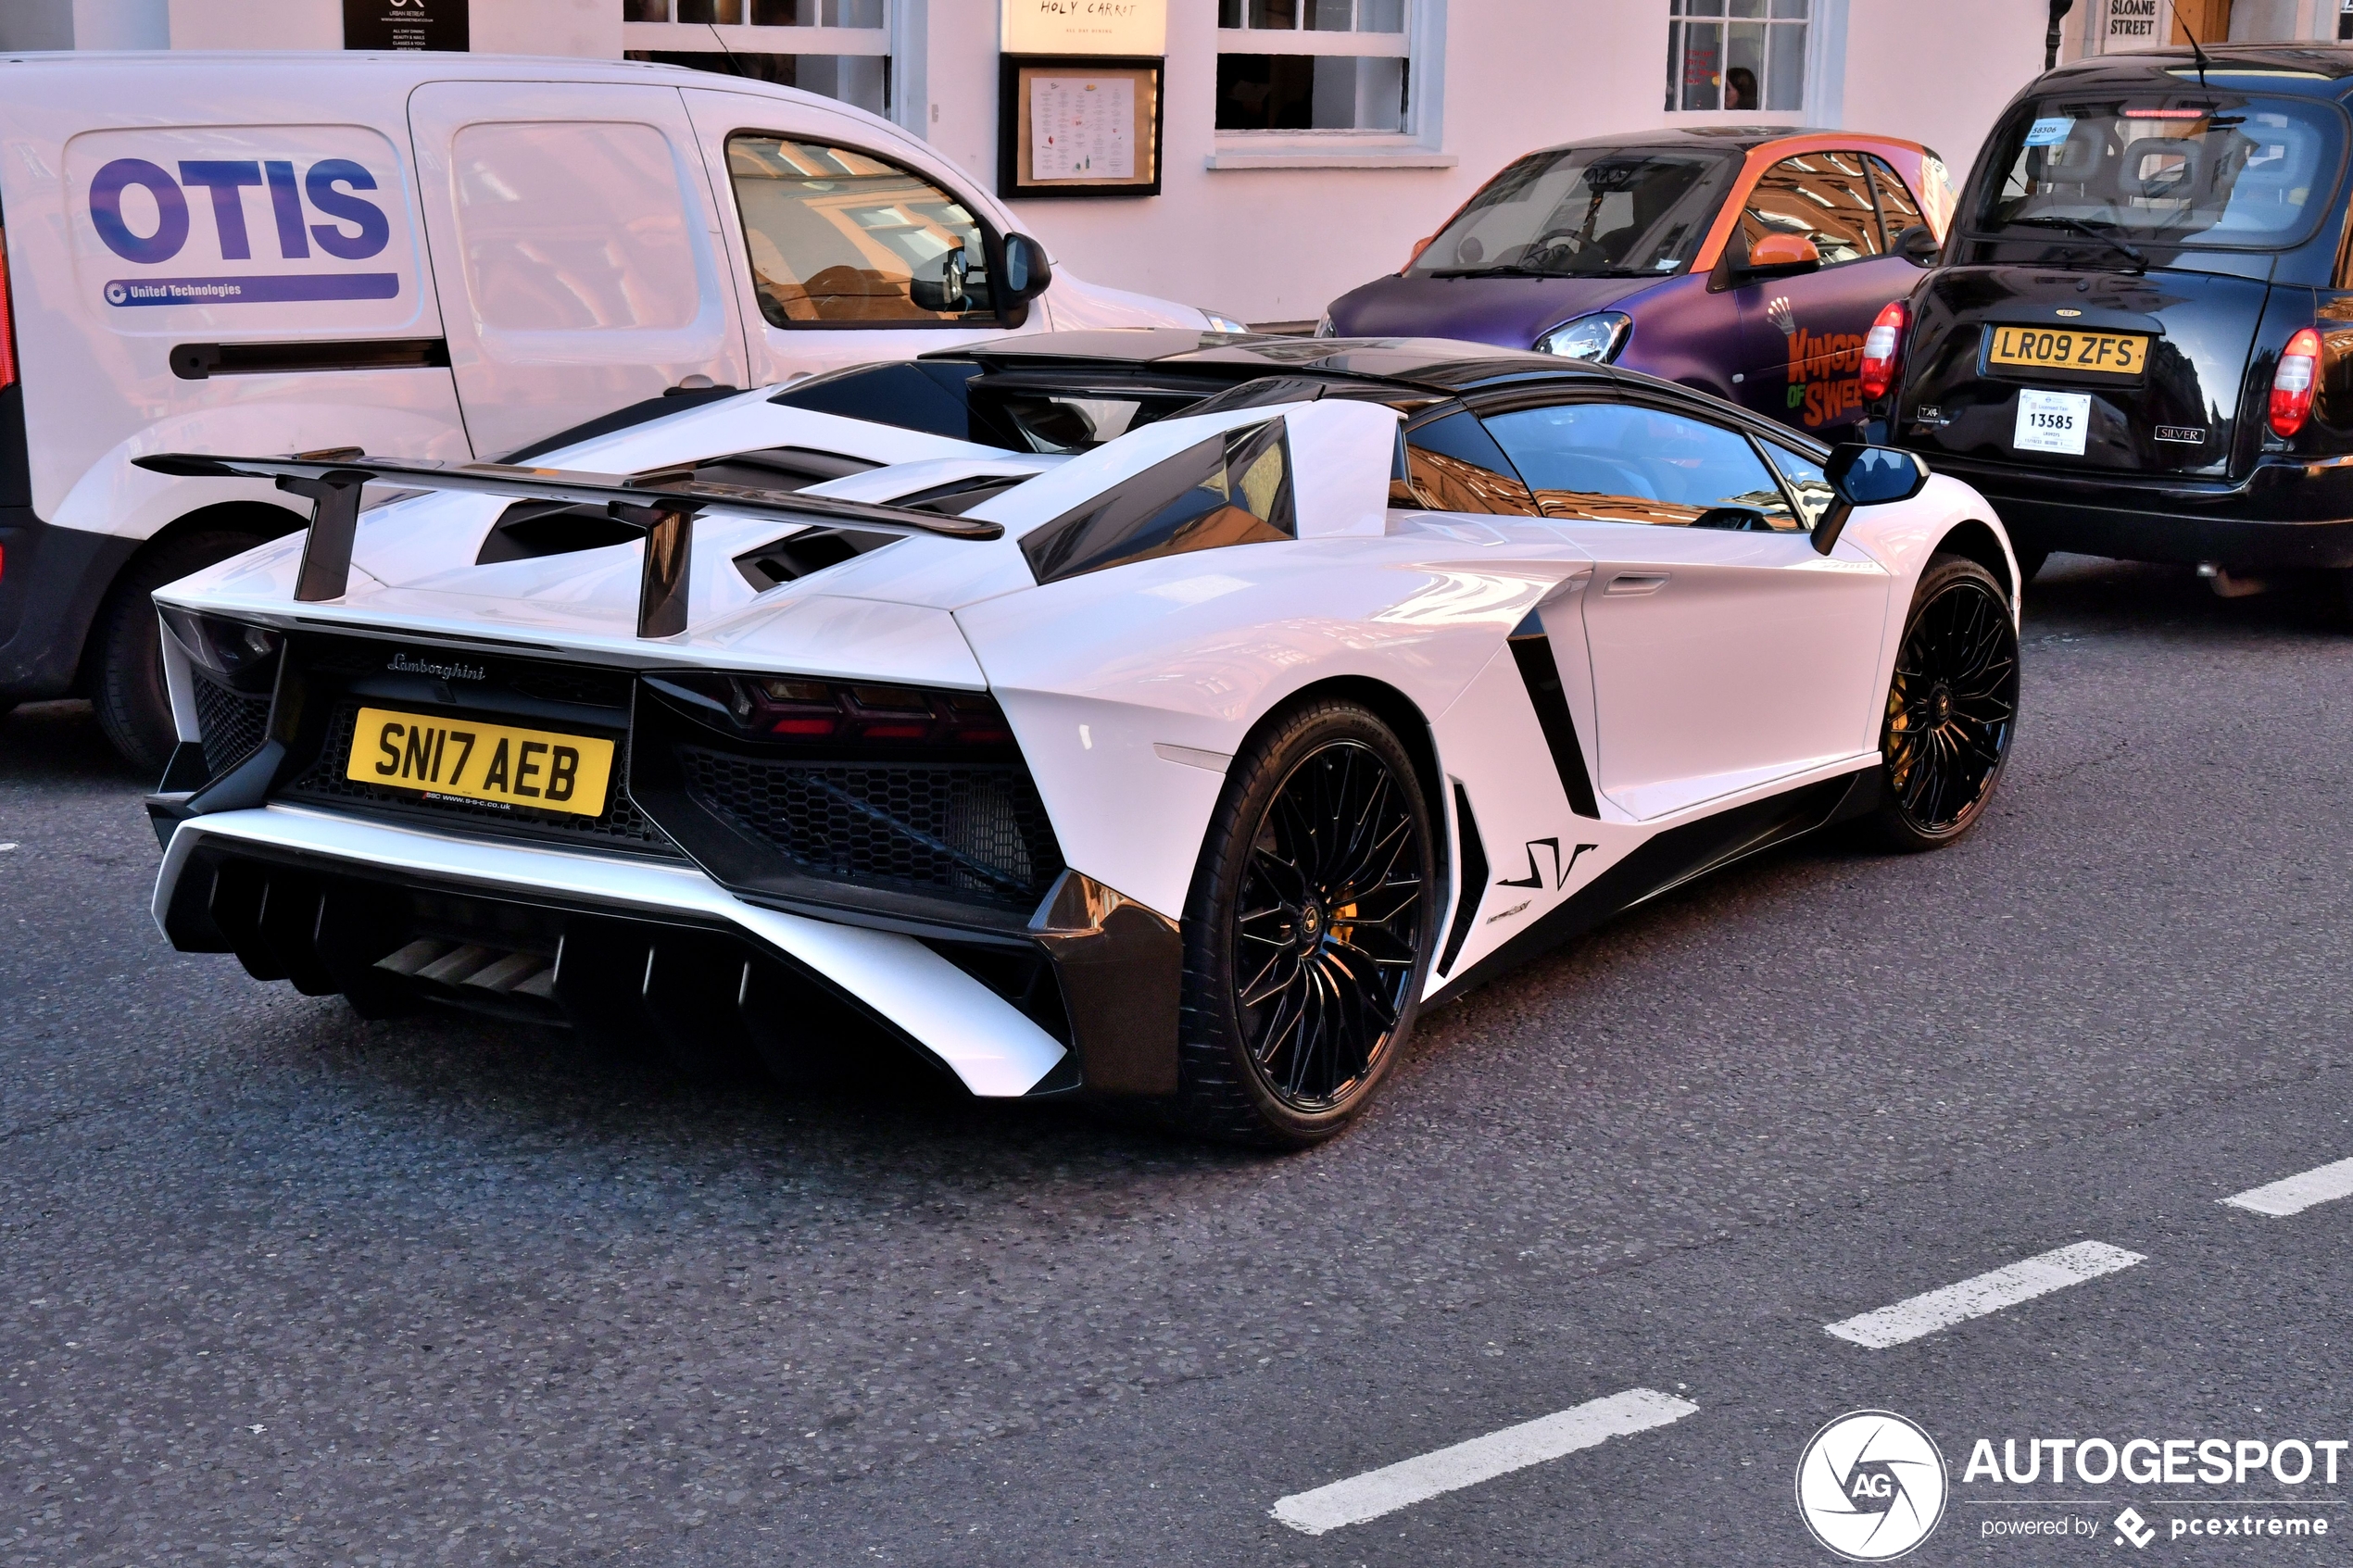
<point>403,665</point>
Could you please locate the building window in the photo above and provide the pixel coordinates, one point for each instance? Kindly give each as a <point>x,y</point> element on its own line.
<point>1736,55</point>
<point>840,48</point>
<point>1312,65</point>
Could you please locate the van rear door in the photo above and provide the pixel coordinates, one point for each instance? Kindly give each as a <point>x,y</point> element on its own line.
<point>574,243</point>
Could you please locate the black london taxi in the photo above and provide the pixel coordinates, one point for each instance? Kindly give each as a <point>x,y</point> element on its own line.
<point>2138,341</point>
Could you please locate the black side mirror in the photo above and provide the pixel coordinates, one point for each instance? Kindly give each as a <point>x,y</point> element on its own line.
<point>1864,475</point>
<point>945,290</point>
<point>1917,245</point>
<point>1026,271</point>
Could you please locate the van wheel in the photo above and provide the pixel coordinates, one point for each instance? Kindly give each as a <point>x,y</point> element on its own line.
<point>125,681</point>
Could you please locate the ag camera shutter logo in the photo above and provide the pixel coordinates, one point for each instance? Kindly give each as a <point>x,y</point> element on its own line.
<point>1870,1486</point>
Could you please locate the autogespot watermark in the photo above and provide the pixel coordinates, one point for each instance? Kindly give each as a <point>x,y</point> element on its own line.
<point>1872,1485</point>
<point>2288,1468</point>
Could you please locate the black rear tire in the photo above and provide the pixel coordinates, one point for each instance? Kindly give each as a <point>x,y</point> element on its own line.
<point>126,677</point>
<point>1308,931</point>
<point>1952,708</point>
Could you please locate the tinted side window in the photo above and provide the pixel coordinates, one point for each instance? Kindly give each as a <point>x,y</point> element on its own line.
<point>1616,462</point>
<point>1897,210</point>
<point>1454,466</point>
<point>925,395</point>
<point>1821,196</point>
<point>838,237</point>
<point>1231,489</point>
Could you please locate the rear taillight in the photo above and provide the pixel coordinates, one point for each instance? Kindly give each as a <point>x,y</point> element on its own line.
<point>791,710</point>
<point>8,320</point>
<point>1883,349</point>
<point>2293,381</point>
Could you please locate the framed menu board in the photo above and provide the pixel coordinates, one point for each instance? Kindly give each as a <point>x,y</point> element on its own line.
<point>1078,126</point>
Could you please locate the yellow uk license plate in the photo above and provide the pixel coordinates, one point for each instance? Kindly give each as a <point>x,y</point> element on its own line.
<point>462,759</point>
<point>2109,353</point>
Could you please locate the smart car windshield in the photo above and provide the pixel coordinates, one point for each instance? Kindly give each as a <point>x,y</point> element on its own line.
<point>1582,212</point>
<point>2192,169</point>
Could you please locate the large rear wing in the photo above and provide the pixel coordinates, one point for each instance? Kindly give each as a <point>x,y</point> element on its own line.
<point>661,502</point>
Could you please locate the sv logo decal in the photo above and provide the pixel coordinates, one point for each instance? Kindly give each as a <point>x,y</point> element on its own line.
<point>1535,877</point>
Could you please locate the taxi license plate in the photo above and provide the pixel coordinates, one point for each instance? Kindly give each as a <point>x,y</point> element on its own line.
<point>2105,353</point>
<point>457,759</point>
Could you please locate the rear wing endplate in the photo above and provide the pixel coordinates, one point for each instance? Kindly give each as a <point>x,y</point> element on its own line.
<point>661,502</point>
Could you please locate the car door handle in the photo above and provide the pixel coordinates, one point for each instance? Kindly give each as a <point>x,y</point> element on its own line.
<point>1636,582</point>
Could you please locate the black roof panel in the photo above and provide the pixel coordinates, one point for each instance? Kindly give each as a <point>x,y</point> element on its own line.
<point>2288,67</point>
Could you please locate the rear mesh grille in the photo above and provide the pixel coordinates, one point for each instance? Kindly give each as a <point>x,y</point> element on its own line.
<point>976,832</point>
<point>231,725</point>
<point>622,826</point>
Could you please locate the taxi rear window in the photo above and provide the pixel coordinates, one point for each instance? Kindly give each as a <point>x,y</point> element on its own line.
<point>2187,169</point>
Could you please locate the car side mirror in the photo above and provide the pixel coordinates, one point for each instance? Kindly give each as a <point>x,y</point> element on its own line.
<point>1917,245</point>
<point>1782,255</point>
<point>1863,475</point>
<point>1026,271</point>
<point>947,290</point>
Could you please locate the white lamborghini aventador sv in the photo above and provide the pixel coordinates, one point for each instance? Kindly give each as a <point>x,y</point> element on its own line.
<point>1134,714</point>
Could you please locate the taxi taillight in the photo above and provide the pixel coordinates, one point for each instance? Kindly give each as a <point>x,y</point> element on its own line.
<point>1884,348</point>
<point>2293,382</point>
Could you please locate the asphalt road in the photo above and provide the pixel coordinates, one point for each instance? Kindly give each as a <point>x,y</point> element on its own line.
<point>279,1287</point>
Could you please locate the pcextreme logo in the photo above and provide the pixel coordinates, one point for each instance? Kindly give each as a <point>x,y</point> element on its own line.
<point>1870,1486</point>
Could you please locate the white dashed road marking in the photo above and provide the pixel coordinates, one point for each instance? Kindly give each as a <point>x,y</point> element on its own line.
<point>2293,1195</point>
<point>1481,1459</point>
<point>2006,1286</point>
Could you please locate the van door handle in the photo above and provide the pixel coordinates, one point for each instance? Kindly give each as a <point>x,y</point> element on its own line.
<point>1636,582</point>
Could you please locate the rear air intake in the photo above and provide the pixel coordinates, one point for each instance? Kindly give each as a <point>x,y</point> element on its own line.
<point>831,791</point>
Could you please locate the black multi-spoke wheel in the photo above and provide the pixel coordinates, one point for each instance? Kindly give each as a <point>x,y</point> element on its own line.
<point>1308,932</point>
<point>1951,706</point>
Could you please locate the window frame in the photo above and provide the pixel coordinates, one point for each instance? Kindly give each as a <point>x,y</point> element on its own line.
<point>1677,38</point>
<point>1421,43</point>
<point>720,40</point>
<point>992,245</point>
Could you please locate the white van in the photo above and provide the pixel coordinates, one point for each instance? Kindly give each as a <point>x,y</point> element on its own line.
<point>430,256</point>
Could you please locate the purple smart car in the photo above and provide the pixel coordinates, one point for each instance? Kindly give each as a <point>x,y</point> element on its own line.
<point>1746,262</point>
